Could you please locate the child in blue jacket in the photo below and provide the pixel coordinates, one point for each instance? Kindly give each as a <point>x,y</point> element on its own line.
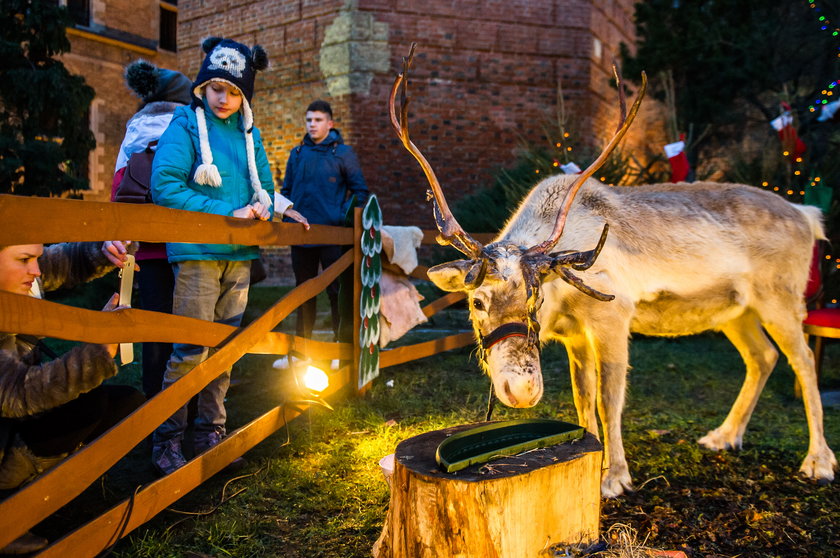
<point>211,159</point>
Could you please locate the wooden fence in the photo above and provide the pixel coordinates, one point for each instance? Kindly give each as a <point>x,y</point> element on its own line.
<point>48,220</point>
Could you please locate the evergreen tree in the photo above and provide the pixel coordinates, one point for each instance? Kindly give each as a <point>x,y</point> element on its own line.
<point>725,64</point>
<point>44,132</point>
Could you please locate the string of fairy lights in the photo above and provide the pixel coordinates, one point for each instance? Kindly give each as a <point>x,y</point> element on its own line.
<point>826,26</point>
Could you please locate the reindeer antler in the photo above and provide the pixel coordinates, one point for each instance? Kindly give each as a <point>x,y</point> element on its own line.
<point>624,125</point>
<point>451,232</point>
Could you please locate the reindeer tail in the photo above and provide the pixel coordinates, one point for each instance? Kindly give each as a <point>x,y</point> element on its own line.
<point>814,216</point>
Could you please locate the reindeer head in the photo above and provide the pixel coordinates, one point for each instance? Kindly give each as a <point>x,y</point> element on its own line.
<point>503,281</point>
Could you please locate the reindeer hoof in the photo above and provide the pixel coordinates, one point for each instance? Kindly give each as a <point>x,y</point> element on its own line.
<point>615,486</point>
<point>819,467</point>
<point>716,440</point>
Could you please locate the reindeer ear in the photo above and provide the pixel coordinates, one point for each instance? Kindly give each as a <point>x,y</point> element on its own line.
<point>450,276</point>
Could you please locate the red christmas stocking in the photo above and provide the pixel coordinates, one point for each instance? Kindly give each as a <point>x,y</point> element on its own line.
<point>791,142</point>
<point>679,162</point>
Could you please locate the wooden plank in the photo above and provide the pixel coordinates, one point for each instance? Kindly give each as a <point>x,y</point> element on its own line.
<point>31,316</point>
<point>421,350</point>
<point>71,477</point>
<point>443,302</point>
<point>277,343</point>
<point>77,220</point>
<point>102,532</point>
<point>418,272</point>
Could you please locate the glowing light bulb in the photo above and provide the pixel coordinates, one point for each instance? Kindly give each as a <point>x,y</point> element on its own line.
<point>315,379</point>
<point>765,183</point>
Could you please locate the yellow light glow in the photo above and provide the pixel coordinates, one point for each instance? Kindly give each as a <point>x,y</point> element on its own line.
<point>765,183</point>
<point>799,159</point>
<point>565,135</point>
<point>789,192</point>
<point>816,179</point>
<point>315,379</point>
<point>801,192</point>
<point>785,153</point>
<point>797,173</point>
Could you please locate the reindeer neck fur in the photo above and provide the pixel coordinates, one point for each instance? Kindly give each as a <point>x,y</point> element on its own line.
<point>534,219</point>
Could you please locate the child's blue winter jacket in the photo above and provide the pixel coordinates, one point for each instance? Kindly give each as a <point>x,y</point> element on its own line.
<point>177,157</point>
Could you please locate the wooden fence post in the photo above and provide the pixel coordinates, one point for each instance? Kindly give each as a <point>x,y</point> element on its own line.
<point>357,294</point>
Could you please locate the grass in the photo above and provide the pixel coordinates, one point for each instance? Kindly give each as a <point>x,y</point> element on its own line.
<point>322,494</point>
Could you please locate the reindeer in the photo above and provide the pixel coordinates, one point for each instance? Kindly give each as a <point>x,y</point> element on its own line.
<point>666,260</point>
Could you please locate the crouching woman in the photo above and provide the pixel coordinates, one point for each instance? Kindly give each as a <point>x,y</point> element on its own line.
<point>48,409</point>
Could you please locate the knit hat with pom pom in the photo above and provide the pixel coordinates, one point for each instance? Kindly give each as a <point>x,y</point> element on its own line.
<point>153,84</point>
<point>236,64</point>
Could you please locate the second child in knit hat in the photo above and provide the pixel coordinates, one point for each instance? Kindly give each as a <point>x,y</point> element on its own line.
<point>161,91</point>
<point>211,159</point>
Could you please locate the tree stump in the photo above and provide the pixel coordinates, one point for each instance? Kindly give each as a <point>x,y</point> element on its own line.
<point>511,507</point>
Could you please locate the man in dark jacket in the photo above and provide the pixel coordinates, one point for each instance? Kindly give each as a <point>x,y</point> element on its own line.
<point>323,176</point>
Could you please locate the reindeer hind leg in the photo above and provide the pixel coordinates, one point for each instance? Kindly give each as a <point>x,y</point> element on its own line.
<point>820,463</point>
<point>760,357</point>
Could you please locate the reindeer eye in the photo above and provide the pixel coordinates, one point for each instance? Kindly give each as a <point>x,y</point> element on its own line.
<point>477,304</point>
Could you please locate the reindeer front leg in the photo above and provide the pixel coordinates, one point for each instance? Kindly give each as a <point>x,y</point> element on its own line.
<point>611,348</point>
<point>584,385</point>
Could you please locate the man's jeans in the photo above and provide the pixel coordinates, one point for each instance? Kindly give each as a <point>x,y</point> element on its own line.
<point>214,291</point>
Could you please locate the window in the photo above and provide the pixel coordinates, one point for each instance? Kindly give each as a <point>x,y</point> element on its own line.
<point>168,28</point>
<point>79,11</point>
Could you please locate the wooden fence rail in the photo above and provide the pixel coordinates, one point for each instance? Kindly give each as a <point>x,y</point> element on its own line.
<point>73,220</point>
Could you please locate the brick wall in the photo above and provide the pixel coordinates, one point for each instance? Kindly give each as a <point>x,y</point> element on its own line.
<point>486,76</point>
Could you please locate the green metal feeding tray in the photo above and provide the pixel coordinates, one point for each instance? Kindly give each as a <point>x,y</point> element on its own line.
<point>499,439</point>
